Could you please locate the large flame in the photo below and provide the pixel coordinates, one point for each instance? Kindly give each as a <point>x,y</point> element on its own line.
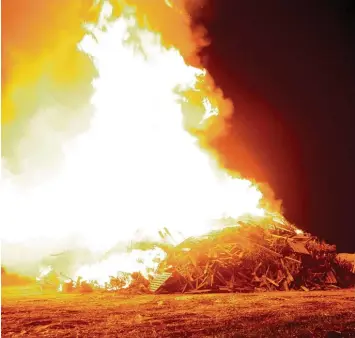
<point>140,167</point>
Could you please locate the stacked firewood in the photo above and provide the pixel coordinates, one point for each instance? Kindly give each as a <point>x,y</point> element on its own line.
<point>250,256</point>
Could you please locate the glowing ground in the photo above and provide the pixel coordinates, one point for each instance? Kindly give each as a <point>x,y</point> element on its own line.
<point>29,313</point>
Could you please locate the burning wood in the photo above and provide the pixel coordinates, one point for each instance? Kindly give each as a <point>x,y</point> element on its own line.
<point>256,254</point>
<point>252,257</point>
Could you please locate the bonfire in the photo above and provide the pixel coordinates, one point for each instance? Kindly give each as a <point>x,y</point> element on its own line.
<point>251,254</point>
<point>150,158</point>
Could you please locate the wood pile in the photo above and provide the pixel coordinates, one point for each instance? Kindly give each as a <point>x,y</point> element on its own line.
<point>249,257</point>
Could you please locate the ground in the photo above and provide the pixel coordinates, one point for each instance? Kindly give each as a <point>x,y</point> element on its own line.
<point>31,313</point>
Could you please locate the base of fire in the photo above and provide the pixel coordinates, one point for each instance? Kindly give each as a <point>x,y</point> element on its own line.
<point>248,256</point>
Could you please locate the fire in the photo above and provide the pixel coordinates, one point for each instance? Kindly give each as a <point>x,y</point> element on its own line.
<point>164,175</point>
<point>142,165</point>
<point>129,262</point>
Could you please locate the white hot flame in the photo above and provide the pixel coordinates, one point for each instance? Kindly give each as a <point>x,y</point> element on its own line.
<point>136,168</point>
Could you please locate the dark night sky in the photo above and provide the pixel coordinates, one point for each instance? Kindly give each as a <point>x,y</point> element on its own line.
<point>289,67</point>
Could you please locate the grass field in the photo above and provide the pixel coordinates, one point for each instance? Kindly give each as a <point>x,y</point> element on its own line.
<point>27,312</point>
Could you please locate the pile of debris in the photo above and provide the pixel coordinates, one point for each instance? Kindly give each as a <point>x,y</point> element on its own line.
<point>249,257</point>
<point>254,254</point>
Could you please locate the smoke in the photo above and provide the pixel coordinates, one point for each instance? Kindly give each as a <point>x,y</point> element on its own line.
<point>27,257</point>
<point>46,82</point>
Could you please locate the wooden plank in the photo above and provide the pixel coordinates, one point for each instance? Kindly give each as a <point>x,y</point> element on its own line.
<point>272,282</point>
<point>298,246</point>
<point>330,278</point>
<point>289,276</point>
<point>269,250</point>
<point>159,281</point>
